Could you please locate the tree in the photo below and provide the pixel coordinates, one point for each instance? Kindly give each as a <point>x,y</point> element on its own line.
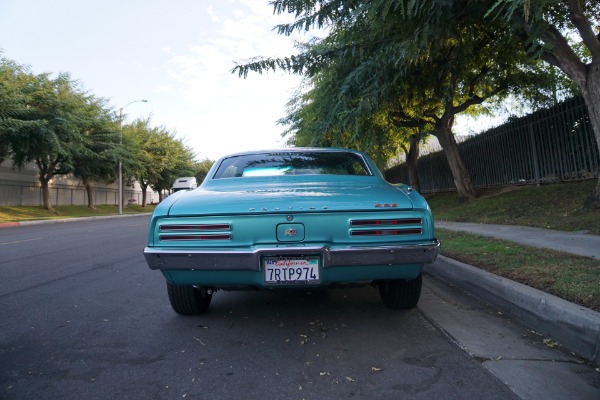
<point>158,158</point>
<point>100,152</point>
<point>414,67</point>
<point>565,34</point>
<point>15,115</point>
<point>202,169</point>
<point>179,162</point>
<point>313,121</point>
<point>138,138</point>
<point>49,135</point>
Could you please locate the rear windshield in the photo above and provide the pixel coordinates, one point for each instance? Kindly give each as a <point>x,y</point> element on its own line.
<point>291,163</point>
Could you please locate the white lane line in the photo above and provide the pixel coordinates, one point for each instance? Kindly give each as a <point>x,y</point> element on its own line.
<point>20,241</point>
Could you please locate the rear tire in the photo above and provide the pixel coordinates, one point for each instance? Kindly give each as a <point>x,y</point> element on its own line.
<point>399,294</point>
<point>188,300</point>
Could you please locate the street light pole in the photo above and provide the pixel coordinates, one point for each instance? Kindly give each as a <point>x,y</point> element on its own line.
<point>121,142</point>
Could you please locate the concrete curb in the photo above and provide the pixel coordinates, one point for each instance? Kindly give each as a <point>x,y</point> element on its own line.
<point>62,220</point>
<point>575,327</point>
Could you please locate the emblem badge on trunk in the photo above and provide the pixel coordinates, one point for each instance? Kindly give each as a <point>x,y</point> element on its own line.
<point>290,232</point>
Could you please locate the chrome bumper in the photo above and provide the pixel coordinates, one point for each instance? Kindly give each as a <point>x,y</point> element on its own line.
<point>249,260</point>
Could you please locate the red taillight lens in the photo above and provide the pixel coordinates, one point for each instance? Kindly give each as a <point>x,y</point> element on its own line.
<point>386,222</point>
<point>386,232</point>
<point>194,227</point>
<point>220,236</point>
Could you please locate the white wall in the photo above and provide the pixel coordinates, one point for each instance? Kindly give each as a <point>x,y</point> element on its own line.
<point>22,188</point>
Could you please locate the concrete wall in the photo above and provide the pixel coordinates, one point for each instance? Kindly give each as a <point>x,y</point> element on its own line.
<point>22,188</point>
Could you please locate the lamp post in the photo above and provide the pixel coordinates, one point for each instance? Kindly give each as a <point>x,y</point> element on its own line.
<point>121,142</point>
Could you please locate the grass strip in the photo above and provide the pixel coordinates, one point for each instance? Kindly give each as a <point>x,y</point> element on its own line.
<point>556,206</point>
<point>23,213</point>
<point>572,278</point>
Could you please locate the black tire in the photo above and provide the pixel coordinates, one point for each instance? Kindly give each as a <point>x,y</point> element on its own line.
<point>399,294</point>
<point>188,300</point>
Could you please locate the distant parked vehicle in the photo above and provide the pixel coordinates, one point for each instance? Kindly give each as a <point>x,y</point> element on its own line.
<point>185,183</point>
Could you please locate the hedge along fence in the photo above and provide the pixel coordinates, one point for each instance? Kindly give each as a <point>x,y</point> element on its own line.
<point>550,145</point>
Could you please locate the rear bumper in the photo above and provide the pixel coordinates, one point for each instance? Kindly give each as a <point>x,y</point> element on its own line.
<point>250,259</point>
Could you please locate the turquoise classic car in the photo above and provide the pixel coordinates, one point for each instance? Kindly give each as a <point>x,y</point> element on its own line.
<point>293,218</point>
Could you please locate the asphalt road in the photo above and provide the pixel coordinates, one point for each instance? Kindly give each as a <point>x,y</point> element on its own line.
<point>82,316</point>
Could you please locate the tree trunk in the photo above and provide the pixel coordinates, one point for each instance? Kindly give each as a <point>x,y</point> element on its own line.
<point>591,96</point>
<point>462,178</point>
<point>586,76</point>
<point>122,183</point>
<point>144,187</point>
<point>45,175</point>
<point>412,155</point>
<point>44,182</point>
<point>90,194</point>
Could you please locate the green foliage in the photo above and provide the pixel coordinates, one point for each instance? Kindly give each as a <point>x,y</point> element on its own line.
<point>53,123</point>
<point>565,34</point>
<point>202,169</point>
<point>98,158</point>
<point>30,213</point>
<point>158,156</point>
<point>573,278</point>
<point>50,134</point>
<point>15,114</point>
<point>556,206</point>
<point>389,70</point>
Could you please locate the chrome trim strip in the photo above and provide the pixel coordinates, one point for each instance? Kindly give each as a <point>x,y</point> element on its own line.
<point>249,259</point>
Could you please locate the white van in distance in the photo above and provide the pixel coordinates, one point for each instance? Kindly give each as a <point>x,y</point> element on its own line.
<point>185,183</point>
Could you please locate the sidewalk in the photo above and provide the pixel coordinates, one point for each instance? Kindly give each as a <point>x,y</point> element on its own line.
<point>577,328</point>
<point>580,244</point>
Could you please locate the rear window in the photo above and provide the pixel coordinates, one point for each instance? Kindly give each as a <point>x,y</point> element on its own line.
<point>291,163</point>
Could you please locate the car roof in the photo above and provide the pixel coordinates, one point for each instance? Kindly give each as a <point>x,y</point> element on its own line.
<point>296,150</point>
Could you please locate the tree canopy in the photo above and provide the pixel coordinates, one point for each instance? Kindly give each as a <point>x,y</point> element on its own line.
<point>565,34</point>
<point>387,71</point>
<point>55,124</point>
<point>160,157</point>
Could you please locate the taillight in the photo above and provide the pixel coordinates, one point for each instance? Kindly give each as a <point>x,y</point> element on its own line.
<point>187,232</point>
<point>207,236</point>
<point>386,227</point>
<point>385,222</point>
<point>194,227</point>
<point>386,232</point>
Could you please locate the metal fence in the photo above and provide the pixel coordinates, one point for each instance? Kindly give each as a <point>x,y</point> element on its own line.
<point>555,144</point>
<point>28,194</point>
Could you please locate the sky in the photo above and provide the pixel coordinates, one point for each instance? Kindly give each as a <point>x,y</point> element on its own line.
<point>177,54</point>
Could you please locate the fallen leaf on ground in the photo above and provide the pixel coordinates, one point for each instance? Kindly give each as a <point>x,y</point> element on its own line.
<point>199,341</point>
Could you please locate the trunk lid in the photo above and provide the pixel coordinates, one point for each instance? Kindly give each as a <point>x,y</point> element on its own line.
<point>240,196</point>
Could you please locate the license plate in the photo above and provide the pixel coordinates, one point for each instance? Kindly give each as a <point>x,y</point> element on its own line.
<point>291,270</point>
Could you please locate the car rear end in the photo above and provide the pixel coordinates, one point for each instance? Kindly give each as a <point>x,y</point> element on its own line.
<point>291,231</point>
